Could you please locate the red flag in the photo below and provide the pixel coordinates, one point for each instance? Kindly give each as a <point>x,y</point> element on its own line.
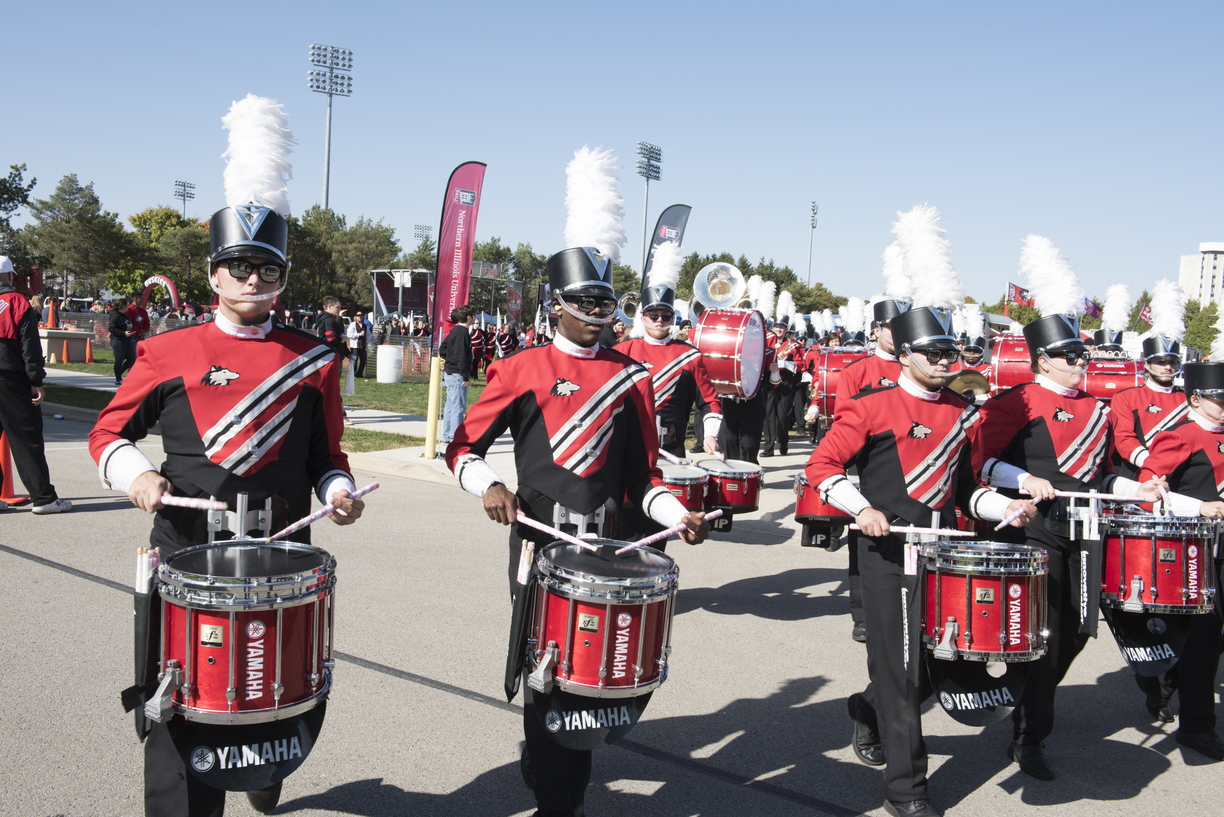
<point>1145,314</point>
<point>456,239</point>
<point>1018,295</point>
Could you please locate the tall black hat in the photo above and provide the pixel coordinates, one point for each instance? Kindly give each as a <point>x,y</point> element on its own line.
<point>975,344</point>
<point>1054,332</point>
<point>580,271</point>
<point>884,311</point>
<point>1205,378</point>
<point>248,230</point>
<point>656,297</point>
<point>1107,340</point>
<point>1161,346</point>
<point>923,326</point>
<point>853,339</point>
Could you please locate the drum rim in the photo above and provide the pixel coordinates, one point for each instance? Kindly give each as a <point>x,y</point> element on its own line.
<point>265,715</point>
<point>1145,525</point>
<point>729,474</point>
<point>205,592</point>
<point>983,557</point>
<point>584,585</point>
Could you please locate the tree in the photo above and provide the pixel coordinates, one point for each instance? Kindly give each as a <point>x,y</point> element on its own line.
<point>1133,321</point>
<point>1201,330</point>
<point>78,239</point>
<point>311,239</point>
<point>625,279</point>
<point>15,194</point>
<point>1019,313</point>
<point>425,256</point>
<point>529,268</point>
<point>184,255</point>
<point>365,246</point>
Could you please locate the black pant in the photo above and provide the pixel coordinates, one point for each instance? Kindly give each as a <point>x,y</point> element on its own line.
<point>891,695</point>
<point>801,403</point>
<point>740,436</point>
<point>124,356</point>
<point>778,414</point>
<point>22,424</point>
<point>360,362</point>
<point>171,790</point>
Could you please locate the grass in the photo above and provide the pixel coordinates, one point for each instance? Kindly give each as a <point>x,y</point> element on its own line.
<point>81,398</point>
<point>360,440</point>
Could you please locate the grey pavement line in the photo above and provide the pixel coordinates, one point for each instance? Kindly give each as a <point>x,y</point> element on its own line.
<point>689,764</point>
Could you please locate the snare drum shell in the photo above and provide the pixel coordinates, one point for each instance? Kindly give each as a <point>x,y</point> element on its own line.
<point>735,485</point>
<point>828,374</point>
<point>686,483</point>
<point>1010,363</point>
<point>810,508</point>
<point>1173,557</point>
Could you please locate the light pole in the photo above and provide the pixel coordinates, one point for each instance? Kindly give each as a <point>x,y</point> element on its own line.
<point>183,190</point>
<point>811,232</point>
<point>647,168</point>
<point>333,84</point>
<point>421,232</point>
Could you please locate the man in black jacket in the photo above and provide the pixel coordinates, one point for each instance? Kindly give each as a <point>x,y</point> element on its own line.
<point>456,352</point>
<point>120,328</point>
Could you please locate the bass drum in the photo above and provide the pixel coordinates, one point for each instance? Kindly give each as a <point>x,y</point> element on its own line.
<point>1108,376</point>
<point>1010,363</point>
<point>827,375</point>
<point>732,345</point>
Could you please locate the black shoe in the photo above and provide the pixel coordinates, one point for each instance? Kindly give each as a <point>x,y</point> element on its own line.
<point>1159,708</point>
<point>264,800</point>
<point>859,633</point>
<point>1032,760</point>
<point>866,740</point>
<point>696,449</point>
<point>914,808</point>
<point>768,452</point>
<point>783,450</point>
<point>1205,743</point>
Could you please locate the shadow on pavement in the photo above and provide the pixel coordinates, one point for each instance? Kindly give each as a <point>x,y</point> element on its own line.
<point>780,597</point>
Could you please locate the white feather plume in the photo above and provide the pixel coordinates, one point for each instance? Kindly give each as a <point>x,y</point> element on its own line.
<point>868,314</point>
<point>1217,345</point>
<point>1052,283</point>
<point>975,320</point>
<point>1116,312</point>
<point>753,290</point>
<point>766,303</point>
<point>852,315</point>
<point>786,306</point>
<point>926,258</point>
<point>593,203</point>
<point>1168,314</point>
<point>897,285</point>
<point>799,324</point>
<point>257,164</point>
<point>958,323</point>
<point>828,325</point>
<point>665,268</point>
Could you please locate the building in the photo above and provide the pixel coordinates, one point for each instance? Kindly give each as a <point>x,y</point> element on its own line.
<point>1202,275</point>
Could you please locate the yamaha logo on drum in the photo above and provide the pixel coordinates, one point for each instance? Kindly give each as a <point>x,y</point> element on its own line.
<point>1015,591</point>
<point>202,759</point>
<point>945,700</point>
<point>552,721</point>
<point>623,620</point>
<point>255,629</point>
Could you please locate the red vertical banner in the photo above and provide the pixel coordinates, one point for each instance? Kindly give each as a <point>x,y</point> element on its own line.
<point>456,238</point>
<point>514,301</point>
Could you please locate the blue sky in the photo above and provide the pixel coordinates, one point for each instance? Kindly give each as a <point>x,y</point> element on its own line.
<point>1096,124</point>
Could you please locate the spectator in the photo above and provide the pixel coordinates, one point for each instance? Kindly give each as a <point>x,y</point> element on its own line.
<point>121,343</point>
<point>139,317</point>
<point>359,341</point>
<point>456,351</point>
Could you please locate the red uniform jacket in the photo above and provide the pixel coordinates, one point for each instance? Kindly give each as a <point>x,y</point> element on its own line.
<point>679,378</point>
<point>871,372</point>
<point>1136,416</point>
<point>1191,457</point>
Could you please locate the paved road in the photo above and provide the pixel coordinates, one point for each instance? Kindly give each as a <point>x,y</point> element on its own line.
<point>751,722</point>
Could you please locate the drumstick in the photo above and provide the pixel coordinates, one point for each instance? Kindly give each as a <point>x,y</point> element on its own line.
<point>197,504</point>
<point>1089,495</point>
<point>932,531</point>
<point>551,531</point>
<point>667,455</point>
<point>319,514</point>
<point>663,534</point>
<point>1010,519</point>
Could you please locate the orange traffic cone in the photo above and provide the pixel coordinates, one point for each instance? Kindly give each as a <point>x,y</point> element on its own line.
<point>66,358</point>
<point>88,352</point>
<point>8,493</point>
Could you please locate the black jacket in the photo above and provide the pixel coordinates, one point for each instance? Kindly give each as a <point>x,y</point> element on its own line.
<point>456,351</point>
<point>118,325</point>
<point>331,332</point>
<point>21,354</point>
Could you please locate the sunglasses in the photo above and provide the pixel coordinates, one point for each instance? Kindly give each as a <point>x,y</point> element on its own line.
<point>935,355</point>
<point>268,273</point>
<point>586,304</point>
<point>659,317</point>
<point>1070,357</point>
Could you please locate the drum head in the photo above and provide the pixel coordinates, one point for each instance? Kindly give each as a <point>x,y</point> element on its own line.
<point>681,473</point>
<point>752,354</point>
<point>971,695</point>
<point>643,563</point>
<point>582,723</point>
<point>1150,642</point>
<point>732,468</point>
<point>247,757</point>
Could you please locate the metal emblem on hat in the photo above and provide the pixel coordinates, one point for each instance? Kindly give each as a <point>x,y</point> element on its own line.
<point>597,259</point>
<point>251,217</point>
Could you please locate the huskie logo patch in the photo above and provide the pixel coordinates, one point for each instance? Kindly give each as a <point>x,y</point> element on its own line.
<point>218,376</point>
<point>1063,416</point>
<point>564,388</point>
<point>886,383</point>
<point>1220,447</point>
<point>918,431</point>
<point>1152,408</point>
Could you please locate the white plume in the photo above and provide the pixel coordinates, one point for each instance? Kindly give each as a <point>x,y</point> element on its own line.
<point>1168,314</point>
<point>975,320</point>
<point>1052,284</point>
<point>958,323</point>
<point>926,258</point>
<point>769,291</point>
<point>799,324</point>
<point>594,206</point>
<point>256,163</point>
<point>665,268</point>
<point>897,285</point>
<point>753,290</point>
<point>786,306</point>
<point>816,319</point>
<point>682,312</point>
<point>868,314</point>
<point>827,323</point>
<point>852,315</point>
<point>1117,308</point>
<point>1217,345</point>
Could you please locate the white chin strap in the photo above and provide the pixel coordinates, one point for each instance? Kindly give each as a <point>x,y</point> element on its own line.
<point>248,298</point>
<point>919,361</point>
<point>1063,367</point>
<point>582,317</point>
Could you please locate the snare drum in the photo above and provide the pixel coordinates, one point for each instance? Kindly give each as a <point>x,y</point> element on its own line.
<point>828,374</point>
<point>734,485</point>
<point>248,627</point>
<point>687,483</point>
<point>810,508</point>
<point>732,345</point>
<point>1158,564</point>
<point>985,601</point>
<point>1108,376</point>
<point>603,621</point>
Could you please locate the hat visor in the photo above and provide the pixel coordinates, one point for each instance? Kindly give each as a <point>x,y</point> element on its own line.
<point>592,288</point>
<point>249,251</point>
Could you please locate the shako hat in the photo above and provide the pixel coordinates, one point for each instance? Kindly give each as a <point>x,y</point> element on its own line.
<point>1161,346</point>
<point>975,344</point>
<point>1108,340</point>
<point>580,271</point>
<point>248,230</point>
<point>1054,333</point>
<point>853,339</point>
<point>923,326</point>
<point>1206,379</point>
<point>885,310</point>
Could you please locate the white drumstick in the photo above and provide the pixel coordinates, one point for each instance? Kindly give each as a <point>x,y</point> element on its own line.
<point>319,514</point>
<point>931,531</point>
<point>663,534</point>
<point>551,531</point>
<point>197,504</point>
<point>1089,495</point>
<point>1010,519</point>
<point>667,455</point>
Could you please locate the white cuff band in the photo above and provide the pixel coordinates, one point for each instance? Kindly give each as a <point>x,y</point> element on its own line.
<point>711,425</point>
<point>987,504</point>
<point>340,482</point>
<point>120,464</point>
<point>841,493</point>
<point>1138,456</point>
<point>663,507</point>
<point>475,475</point>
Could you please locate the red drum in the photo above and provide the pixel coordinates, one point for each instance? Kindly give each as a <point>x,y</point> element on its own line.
<point>1010,363</point>
<point>1108,375</point>
<point>687,483</point>
<point>810,508</point>
<point>602,622</point>
<point>247,627</point>
<point>1158,564</point>
<point>735,485</point>
<point>732,344</point>
<point>828,373</point>
<point>985,601</point>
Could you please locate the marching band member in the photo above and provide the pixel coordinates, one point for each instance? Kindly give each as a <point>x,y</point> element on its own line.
<point>916,430</point>
<point>267,396</point>
<point>1045,436</point>
<point>1191,453</point>
<point>780,398</point>
<point>480,343</point>
<point>506,341</point>
<point>744,418</point>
